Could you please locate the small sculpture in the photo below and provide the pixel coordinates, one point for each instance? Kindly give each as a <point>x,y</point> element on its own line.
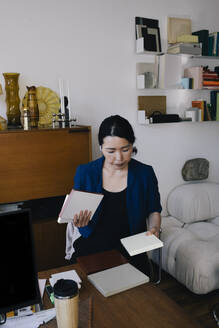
<point>32,106</point>
<point>195,169</point>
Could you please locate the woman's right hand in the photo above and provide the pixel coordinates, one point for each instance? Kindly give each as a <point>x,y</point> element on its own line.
<point>82,219</point>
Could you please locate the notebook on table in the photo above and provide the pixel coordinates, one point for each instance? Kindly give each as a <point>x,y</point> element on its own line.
<point>115,280</point>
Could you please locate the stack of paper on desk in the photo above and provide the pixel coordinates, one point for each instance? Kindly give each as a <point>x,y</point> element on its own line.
<point>71,274</point>
<point>34,321</point>
<point>141,243</point>
<point>77,201</point>
<point>117,279</point>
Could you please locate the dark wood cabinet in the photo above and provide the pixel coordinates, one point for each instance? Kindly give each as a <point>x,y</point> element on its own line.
<point>40,164</point>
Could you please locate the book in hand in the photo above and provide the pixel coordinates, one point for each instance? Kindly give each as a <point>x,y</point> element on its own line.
<point>115,280</point>
<point>141,243</point>
<point>78,201</point>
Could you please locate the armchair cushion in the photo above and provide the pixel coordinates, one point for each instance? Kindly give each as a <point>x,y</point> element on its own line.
<point>194,202</point>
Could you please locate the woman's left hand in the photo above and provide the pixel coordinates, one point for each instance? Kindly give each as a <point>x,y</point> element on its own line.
<point>153,231</point>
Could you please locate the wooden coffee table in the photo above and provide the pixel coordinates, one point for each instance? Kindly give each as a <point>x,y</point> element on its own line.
<point>139,307</point>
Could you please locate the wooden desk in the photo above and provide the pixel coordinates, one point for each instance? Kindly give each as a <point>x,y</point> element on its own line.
<point>139,307</point>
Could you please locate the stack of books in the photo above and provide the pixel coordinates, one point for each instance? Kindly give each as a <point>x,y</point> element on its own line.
<point>210,80</point>
<point>189,48</point>
<point>202,78</point>
<point>205,110</point>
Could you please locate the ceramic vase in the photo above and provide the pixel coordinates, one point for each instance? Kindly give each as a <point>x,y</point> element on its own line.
<point>12,99</point>
<point>32,105</point>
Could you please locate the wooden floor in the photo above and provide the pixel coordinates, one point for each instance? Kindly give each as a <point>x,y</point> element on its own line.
<point>198,306</point>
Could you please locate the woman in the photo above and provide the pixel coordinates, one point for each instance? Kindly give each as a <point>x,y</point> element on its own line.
<point>130,194</point>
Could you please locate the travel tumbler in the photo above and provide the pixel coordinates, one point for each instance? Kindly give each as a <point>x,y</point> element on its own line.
<point>66,303</point>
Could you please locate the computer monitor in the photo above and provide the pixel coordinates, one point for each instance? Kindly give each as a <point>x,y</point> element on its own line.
<point>19,282</point>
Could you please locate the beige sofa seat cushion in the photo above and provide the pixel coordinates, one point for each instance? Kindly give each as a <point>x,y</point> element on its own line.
<point>191,253</point>
<point>193,202</point>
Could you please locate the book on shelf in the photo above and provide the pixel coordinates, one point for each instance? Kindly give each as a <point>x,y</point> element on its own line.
<point>196,73</point>
<point>207,87</point>
<point>210,45</point>
<point>185,48</point>
<point>211,83</point>
<point>208,112</point>
<point>186,82</point>
<point>187,38</point>
<point>213,101</point>
<point>214,43</point>
<point>209,75</point>
<point>200,104</point>
<point>217,107</point>
<point>203,39</point>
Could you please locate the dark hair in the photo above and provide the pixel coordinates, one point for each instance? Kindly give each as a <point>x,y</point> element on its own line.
<point>116,126</point>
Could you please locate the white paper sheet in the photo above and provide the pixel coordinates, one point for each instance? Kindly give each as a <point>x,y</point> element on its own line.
<point>42,283</point>
<point>71,274</point>
<point>31,321</point>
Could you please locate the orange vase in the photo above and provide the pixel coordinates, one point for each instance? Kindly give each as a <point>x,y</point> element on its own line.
<point>12,99</point>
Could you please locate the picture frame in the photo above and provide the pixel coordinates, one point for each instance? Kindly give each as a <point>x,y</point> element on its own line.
<point>177,26</point>
<point>151,39</point>
<point>143,22</point>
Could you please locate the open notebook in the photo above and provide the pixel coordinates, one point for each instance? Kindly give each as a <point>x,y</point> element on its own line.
<point>117,279</point>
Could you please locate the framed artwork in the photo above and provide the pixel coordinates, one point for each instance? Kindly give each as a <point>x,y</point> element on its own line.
<point>151,39</point>
<point>178,26</point>
<point>148,29</point>
<point>142,22</point>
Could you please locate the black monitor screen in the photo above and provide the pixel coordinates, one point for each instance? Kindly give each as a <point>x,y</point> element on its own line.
<point>18,283</point>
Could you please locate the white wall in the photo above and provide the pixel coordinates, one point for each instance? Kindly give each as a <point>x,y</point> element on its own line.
<point>92,44</point>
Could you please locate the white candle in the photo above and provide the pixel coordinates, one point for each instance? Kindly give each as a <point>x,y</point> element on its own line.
<point>61,95</point>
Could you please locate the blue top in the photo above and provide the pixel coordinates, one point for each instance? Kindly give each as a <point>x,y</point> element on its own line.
<point>142,193</point>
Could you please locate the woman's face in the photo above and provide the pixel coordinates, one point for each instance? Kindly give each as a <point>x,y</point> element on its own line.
<point>117,152</point>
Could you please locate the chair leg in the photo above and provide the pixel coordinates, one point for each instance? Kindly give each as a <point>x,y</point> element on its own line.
<point>160,265</point>
<point>215,312</point>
